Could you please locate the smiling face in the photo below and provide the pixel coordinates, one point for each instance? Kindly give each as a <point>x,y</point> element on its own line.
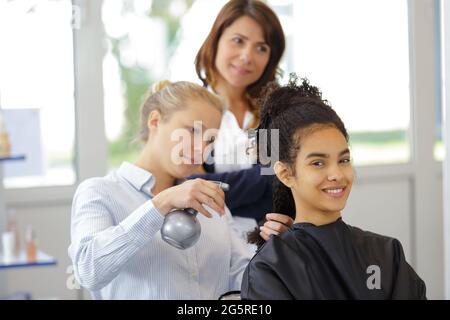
<point>242,53</point>
<point>323,176</point>
<point>181,138</point>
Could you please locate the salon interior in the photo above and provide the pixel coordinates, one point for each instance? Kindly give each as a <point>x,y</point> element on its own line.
<point>72,77</point>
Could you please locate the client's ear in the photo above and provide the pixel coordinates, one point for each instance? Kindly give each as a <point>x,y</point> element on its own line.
<point>283,173</point>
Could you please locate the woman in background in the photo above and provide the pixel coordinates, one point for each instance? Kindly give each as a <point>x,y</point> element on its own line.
<point>240,55</point>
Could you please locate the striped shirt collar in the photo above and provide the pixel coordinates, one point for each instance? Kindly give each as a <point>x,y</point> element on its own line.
<point>140,179</point>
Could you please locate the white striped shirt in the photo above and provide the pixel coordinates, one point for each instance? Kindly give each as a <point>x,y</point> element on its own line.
<point>118,253</point>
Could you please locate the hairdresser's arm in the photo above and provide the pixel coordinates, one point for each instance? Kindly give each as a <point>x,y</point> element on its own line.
<point>246,186</point>
<point>100,247</point>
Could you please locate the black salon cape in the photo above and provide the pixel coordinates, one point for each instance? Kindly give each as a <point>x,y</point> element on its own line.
<point>332,261</point>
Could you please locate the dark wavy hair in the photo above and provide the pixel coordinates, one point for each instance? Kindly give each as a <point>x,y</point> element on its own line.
<point>296,110</point>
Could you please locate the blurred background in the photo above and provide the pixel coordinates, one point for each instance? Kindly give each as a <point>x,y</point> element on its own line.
<point>73,75</point>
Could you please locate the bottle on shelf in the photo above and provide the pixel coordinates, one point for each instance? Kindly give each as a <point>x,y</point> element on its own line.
<point>11,226</point>
<point>5,145</point>
<point>30,244</point>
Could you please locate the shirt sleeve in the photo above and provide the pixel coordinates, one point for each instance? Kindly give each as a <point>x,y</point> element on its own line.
<point>99,247</point>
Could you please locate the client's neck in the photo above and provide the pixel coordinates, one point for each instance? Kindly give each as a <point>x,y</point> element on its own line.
<point>316,218</point>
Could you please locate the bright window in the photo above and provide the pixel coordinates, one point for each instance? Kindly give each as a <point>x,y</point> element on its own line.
<point>141,37</point>
<point>357,52</point>
<point>37,90</point>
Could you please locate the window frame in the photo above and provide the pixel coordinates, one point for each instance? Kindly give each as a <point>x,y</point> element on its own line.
<point>445,62</point>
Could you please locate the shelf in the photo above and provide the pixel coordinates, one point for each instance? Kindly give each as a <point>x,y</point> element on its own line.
<point>43,259</point>
<point>13,158</point>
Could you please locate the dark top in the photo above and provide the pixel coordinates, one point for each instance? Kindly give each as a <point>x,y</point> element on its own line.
<point>333,261</point>
<point>250,193</point>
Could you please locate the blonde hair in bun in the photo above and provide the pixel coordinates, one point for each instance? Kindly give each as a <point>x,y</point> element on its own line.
<point>158,86</point>
<point>167,98</point>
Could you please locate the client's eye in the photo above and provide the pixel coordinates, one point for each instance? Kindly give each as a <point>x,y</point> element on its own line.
<point>317,164</point>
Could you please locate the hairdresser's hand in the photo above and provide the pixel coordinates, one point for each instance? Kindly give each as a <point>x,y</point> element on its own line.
<point>191,194</point>
<point>276,223</point>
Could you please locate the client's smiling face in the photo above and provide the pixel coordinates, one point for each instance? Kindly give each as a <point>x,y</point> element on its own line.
<point>323,173</point>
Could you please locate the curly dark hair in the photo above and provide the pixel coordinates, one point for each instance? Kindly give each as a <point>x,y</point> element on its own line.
<point>296,111</point>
